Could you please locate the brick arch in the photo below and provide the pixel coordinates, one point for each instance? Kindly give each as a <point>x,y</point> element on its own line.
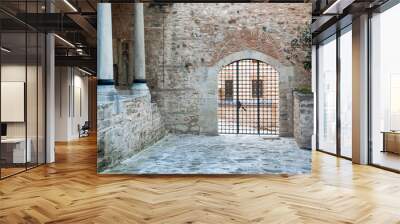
<point>251,54</point>
<point>244,39</point>
<point>208,97</point>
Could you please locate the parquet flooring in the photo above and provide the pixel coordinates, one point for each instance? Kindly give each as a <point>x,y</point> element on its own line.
<point>70,191</point>
<point>10,171</point>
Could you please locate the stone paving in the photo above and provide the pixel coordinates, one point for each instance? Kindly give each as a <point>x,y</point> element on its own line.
<point>223,154</point>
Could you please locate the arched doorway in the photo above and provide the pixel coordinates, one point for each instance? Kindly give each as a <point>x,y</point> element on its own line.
<point>248,98</point>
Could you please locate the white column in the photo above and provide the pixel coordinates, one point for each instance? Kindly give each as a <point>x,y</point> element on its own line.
<point>360,90</point>
<point>314,90</point>
<point>105,62</point>
<point>50,93</point>
<point>139,49</point>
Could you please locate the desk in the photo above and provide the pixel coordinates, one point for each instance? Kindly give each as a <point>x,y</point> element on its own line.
<point>13,150</point>
<point>391,141</point>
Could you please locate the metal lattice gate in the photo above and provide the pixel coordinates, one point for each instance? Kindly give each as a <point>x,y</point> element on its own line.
<point>248,98</point>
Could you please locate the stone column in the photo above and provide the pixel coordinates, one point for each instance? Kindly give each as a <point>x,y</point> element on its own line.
<point>105,71</point>
<point>139,50</point>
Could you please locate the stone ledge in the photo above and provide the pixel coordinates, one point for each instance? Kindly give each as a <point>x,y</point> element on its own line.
<point>127,123</point>
<point>303,118</point>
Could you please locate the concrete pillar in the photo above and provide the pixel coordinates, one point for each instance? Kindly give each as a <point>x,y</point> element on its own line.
<point>139,49</point>
<point>105,71</point>
<point>360,90</point>
<point>50,92</point>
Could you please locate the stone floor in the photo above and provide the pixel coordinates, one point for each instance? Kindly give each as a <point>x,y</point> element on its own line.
<point>223,154</point>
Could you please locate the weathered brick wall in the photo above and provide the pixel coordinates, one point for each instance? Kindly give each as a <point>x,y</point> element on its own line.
<point>183,41</point>
<point>127,122</point>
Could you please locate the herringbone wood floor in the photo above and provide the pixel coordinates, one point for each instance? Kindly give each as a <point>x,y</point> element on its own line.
<point>70,191</point>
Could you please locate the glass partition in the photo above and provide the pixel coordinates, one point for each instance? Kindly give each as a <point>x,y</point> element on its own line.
<point>327,95</point>
<point>385,89</point>
<point>22,77</point>
<point>13,114</point>
<point>346,92</point>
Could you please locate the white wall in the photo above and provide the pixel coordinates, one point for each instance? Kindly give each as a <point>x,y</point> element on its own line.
<point>80,110</point>
<point>71,87</point>
<point>10,73</point>
<point>62,82</point>
<point>17,72</point>
<point>34,125</point>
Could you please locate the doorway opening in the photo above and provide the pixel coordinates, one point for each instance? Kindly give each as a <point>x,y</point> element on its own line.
<point>248,98</point>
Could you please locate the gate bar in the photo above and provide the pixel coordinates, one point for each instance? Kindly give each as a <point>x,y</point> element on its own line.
<point>258,97</point>
<point>237,97</point>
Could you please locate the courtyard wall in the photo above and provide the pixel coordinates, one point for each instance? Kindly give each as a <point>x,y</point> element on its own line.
<point>185,42</point>
<point>187,45</point>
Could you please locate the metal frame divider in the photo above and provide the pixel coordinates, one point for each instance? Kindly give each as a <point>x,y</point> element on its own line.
<point>37,91</point>
<point>369,125</point>
<point>26,86</point>
<point>37,94</point>
<point>0,91</point>
<point>338,76</point>
<point>45,86</point>
<point>316,97</point>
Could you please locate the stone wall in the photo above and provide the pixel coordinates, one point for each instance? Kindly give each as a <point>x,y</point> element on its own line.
<point>127,123</point>
<point>303,118</point>
<point>188,44</point>
<point>123,56</point>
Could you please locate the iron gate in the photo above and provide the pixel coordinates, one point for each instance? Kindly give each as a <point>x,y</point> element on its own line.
<point>248,98</point>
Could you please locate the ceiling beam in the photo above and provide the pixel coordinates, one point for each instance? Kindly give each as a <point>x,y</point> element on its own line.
<point>49,22</point>
<point>76,61</point>
<point>84,24</point>
<point>205,1</point>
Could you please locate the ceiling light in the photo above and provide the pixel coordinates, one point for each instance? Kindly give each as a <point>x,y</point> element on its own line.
<point>84,71</point>
<point>337,7</point>
<point>5,50</point>
<point>70,5</point>
<point>65,41</point>
<point>80,51</point>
